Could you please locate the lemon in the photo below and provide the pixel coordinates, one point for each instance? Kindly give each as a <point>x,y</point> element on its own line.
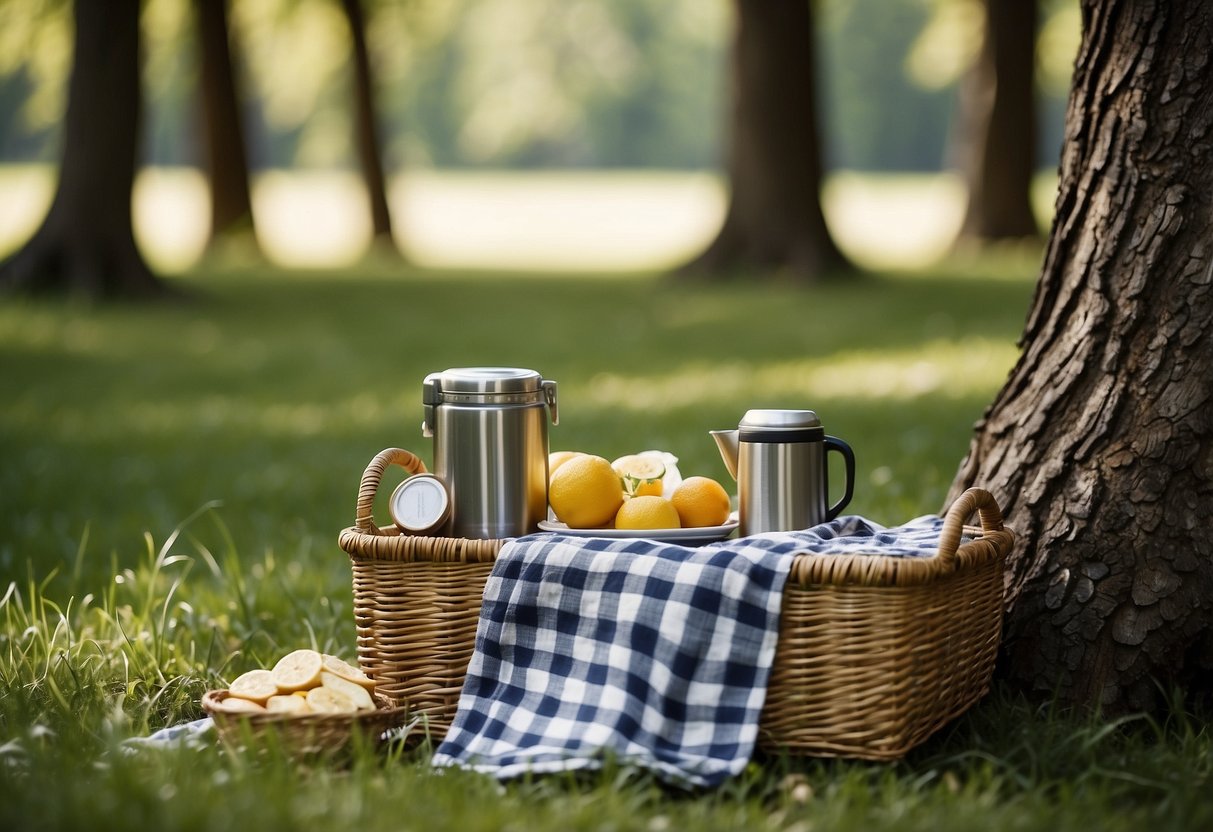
<point>585,492</point>
<point>701,501</point>
<point>558,458</point>
<point>641,474</point>
<point>647,512</point>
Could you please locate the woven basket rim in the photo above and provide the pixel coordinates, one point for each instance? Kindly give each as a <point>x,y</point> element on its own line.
<point>808,568</point>
<point>385,711</point>
<point>989,541</point>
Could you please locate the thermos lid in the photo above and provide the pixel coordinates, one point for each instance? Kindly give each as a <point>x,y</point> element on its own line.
<point>419,504</point>
<point>780,419</point>
<point>491,386</point>
<point>488,380</point>
<point>780,426</point>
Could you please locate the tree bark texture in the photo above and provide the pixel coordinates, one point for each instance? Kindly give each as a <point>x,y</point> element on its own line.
<point>224,150</point>
<point>86,243</point>
<point>1100,445</point>
<point>774,219</point>
<point>998,126</point>
<point>366,124</point>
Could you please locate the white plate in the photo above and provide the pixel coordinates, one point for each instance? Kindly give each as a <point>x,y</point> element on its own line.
<point>704,534</point>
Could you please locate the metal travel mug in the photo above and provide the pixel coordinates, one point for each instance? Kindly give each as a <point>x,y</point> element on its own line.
<point>490,431</point>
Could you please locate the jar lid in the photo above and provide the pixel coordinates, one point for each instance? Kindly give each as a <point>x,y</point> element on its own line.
<point>780,419</point>
<point>419,504</point>
<point>488,380</point>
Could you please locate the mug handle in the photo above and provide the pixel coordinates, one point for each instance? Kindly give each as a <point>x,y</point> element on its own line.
<point>834,444</point>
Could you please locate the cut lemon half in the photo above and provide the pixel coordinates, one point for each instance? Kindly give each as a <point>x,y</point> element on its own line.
<point>352,691</point>
<point>236,705</point>
<point>287,703</point>
<point>324,700</point>
<point>255,686</point>
<point>640,474</point>
<point>342,668</point>
<point>298,670</point>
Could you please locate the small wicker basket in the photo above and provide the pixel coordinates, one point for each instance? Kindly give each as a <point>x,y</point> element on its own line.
<point>875,652</point>
<point>301,735</point>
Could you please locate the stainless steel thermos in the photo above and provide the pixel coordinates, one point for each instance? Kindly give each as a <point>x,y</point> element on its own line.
<point>490,431</point>
<point>778,458</point>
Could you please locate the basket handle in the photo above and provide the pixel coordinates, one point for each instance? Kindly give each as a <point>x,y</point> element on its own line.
<point>975,499</point>
<point>369,486</point>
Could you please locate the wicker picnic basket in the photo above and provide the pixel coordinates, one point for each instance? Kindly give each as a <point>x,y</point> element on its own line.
<point>875,652</point>
<point>302,735</point>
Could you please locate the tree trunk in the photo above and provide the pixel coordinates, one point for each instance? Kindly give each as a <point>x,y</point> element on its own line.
<point>86,243</point>
<point>366,131</point>
<point>998,127</point>
<point>774,219</point>
<point>224,149</point>
<point>1100,444</point>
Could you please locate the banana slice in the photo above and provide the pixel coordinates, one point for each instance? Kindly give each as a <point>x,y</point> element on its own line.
<point>255,686</point>
<point>289,703</point>
<point>342,668</point>
<point>324,700</point>
<point>298,670</point>
<point>236,705</point>
<point>350,690</point>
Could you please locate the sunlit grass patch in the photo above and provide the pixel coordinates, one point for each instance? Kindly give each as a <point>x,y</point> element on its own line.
<point>950,369</point>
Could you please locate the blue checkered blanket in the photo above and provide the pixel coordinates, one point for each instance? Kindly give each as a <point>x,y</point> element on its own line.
<point>652,654</point>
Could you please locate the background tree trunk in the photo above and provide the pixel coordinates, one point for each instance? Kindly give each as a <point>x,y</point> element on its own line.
<point>366,125</point>
<point>224,148</point>
<point>86,243</point>
<point>774,218</point>
<point>1101,443</point>
<point>998,127</point>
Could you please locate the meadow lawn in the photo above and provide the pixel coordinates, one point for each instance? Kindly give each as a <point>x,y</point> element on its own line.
<point>173,477</point>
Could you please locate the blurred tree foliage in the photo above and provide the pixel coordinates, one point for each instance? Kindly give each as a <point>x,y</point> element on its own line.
<point>531,83</point>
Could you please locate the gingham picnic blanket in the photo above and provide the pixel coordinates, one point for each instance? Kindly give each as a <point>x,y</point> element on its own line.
<point>652,654</point>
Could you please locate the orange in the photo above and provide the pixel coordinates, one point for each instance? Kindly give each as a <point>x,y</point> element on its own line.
<point>701,501</point>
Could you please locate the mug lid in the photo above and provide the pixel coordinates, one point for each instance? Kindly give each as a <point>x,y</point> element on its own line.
<point>419,504</point>
<point>780,419</point>
<point>488,380</point>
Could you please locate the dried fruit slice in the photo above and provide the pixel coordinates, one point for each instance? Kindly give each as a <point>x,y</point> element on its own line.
<point>289,703</point>
<point>350,690</point>
<point>236,705</point>
<point>324,700</point>
<point>255,686</point>
<point>298,670</point>
<point>342,668</point>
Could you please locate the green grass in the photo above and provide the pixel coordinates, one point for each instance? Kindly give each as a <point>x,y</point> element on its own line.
<point>173,479</point>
